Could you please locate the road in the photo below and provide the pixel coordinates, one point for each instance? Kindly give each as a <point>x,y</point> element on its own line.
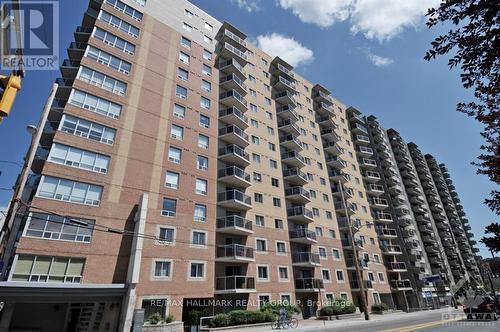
<point>444,320</point>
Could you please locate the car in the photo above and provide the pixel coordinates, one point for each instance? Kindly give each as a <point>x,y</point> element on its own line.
<point>481,307</point>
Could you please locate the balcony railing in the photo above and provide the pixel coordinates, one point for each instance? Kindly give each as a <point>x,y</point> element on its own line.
<point>235,195</point>
<point>234,94</point>
<point>399,266</point>
<point>236,251</point>
<point>297,191</point>
<point>299,211</point>
<point>234,50</point>
<point>235,38</point>
<point>234,222</point>
<point>234,149</point>
<point>305,257</point>
<point>308,284</point>
<point>234,171</point>
<point>233,111</point>
<point>400,284</point>
<point>233,283</point>
<point>294,172</point>
<point>302,233</point>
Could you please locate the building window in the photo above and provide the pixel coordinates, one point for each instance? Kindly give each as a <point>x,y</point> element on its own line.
<point>197,270</point>
<point>256,158</point>
<point>114,41</point>
<point>280,247</point>
<point>207,40</point>
<point>271,146</point>
<point>261,245</point>
<point>315,212</point>
<point>73,157</point>
<point>328,215</point>
<point>125,9</point>
<point>326,275</point>
<point>278,223</point>
<point>340,275</point>
<point>199,238</point>
<point>257,177</point>
<point>187,27</point>
<point>172,180</point>
<point>162,269</point>
<point>49,226</point>
<point>174,155</point>
<point>332,234</point>
<point>319,231</point>
<point>258,198</point>
<point>169,208</point>
<point>181,92</point>
<point>376,258</point>
<point>336,254</point>
<point>201,187</point>
<point>275,182</point>
<point>381,277</point>
<point>205,103</point>
<point>204,121</point>
<point>209,27</point>
<point>207,70</point>
<point>185,42</point>
<point>255,140</point>
<point>262,273</point>
<point>273,164</point>
<point>283,273</point>
<point>276,202</point>
<point>166,235</point>
<point>344,296</point>
<point>102,81</point>
<point>263,300</point>
<point>95,104</point>
<point>48,269</point>
<point>184,58</point>
<point>322,253</point>
<point>254,123</point>
<point>188,13</point>
<point>202,163</point>
<point>259,221</point>
<point>206,86</point>
<point>177,132</point>
<point>182,74</point>
<point>200,213</point>
<point>207,55</point>
<point>69,191</point>
<point>108,60</point>
<point>179,111</point>
<point>87,129</point>
<point>203,141</point>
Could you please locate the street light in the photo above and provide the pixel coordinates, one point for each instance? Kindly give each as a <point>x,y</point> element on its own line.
<point>353,230</point>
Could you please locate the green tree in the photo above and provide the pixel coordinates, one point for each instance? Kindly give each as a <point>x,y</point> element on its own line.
<point>473,43</point>
<point>493,243</point>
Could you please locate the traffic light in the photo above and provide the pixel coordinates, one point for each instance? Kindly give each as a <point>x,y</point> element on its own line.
<point>10,85</point>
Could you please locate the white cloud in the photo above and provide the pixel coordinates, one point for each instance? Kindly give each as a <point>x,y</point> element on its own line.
<point>378,60</point>
<point>375,19</point>
<point>248,5</point>
<point>320,12</point>
<point>286,48</point>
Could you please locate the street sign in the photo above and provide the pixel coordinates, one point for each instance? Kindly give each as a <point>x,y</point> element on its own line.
<point>427,295</point>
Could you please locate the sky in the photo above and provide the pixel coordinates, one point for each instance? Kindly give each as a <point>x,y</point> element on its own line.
<point>369,53</point>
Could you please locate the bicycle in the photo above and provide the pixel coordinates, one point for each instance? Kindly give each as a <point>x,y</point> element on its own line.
<point>288,323</point>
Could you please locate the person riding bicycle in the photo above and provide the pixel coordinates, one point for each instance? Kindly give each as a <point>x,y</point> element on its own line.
<point>282,316</point>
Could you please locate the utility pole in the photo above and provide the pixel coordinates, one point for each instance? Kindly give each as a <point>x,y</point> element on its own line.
<point>359,273</point>
<point>11,228</point>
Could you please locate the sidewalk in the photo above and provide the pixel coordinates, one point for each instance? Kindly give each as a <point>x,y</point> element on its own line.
<point>311,324</point>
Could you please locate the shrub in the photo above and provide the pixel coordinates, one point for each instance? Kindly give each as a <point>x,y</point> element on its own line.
<point>154,318</point>
<point>338,307</point>
<point>170,318</point>
<point>220,320</point>
<point>274,307</point>
<point>379,307</point>
<point>238,317</point>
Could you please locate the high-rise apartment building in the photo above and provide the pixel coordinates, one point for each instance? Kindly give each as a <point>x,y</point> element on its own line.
<point>180,164</point>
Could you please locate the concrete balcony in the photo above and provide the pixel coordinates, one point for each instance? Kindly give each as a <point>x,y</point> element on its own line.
<point>233,154</point>
<point>233,98</point>
<point>396,267</point>
<point>234,253</point>
<point>285,98</point>
<point>284,71</point>
<point>293,159</point>
<point>383,217</point>
<point>361,140</point>
<point>323,109</point>
<point>401,285</point>
<point>338,176</point>
<point>336,162</point>
<point>236,37</point>
<point>357,128</point>
<point>297,195</point>
<point>234,176</point>
<point>235,200</point>
<point>324,97</point>
<point>426,228</point>
<point>288,126</point>
<point>364,151</point>
<point>327,121</point>
<point>332,147</point>
<point>368,284</point>
<point>235,225</point>
<point>291,142</point>
<point>287,112</point>
<point>387,233</point>
<point>226,50</point>
<point>329,134</point>
<point>281,83</point>
<point>299,214</point>
<point>366,163</point>
<point>378,203</point>
<point>234,135</point>
<point>233,82</point>
<point>356,118</point>
<point>233,116</point>
<point>371,177</point>
<point>302,235</point>
<point>391,250</point>
<point>231,66</point>
<point>234,285</point>
<point>341,208</point>
<point>309,285</point>
<point>295,176</point>
<point>305,259</point>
